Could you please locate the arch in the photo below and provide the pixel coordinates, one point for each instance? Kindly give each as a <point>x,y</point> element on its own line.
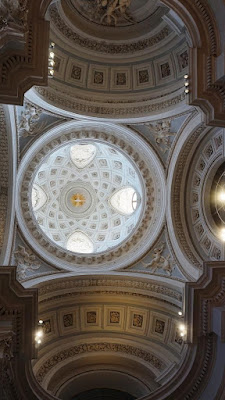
<point>206,90</point>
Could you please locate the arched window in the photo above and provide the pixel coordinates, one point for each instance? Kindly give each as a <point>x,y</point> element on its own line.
<point>78,242</point>
<point>38,197</point>
<point>124,201</point>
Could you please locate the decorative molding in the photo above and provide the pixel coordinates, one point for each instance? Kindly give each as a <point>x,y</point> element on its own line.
<point>102,46</point>
<point>176,210</point>
<point>47,289</point>
<point>85,106</point>
<point>4,176</point>
<point>75,351</point>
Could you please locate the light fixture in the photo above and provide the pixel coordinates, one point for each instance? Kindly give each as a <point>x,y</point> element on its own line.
<point>51,62</point>
<point>221,196</point>
<point>39,334</point>
<point>222,234</point>
<point>182,334</point>
<point>186,84</point>
<point>180,313</point>
<point>182,327</point>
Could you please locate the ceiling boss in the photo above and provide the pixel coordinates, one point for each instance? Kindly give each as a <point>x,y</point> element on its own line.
<point>78,200</point>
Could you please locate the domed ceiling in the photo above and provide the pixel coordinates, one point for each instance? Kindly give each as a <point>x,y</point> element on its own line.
<point>91,193</point>
<point>115,13</point>
<point>131,48</point>
<point>86,197</point>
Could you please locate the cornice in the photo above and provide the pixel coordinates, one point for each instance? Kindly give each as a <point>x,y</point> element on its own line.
<point>27,58</point>
<point>97,347</point>
<point>101,45</point>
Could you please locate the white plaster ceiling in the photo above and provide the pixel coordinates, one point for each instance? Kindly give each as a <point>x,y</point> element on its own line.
<point>104,182</point>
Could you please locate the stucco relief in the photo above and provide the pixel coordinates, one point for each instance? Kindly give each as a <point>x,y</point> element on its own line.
<point>106,12</point>
<point>163,134</point>
<point>159,261</point>
<point>29,120</point>
<point>156,288</point>
<point>100,45</point>
<point>155,361</point>
<point>26,262</point>
<point>133,108</point>
<point>13,13</point>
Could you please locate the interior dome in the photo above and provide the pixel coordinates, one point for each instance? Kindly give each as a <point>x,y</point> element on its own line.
<point>86,197</point>
<point>116,59</point>
<point>91,194</point>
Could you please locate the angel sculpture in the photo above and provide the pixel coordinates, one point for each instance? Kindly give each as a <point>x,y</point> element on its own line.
<point>159,261</point>
<point>114,8</point>
<point>13,12</point>
<point>162,134</point>
<point>26,260</point>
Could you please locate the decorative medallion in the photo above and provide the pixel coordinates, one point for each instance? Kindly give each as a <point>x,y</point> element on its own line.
<point>77,200</point>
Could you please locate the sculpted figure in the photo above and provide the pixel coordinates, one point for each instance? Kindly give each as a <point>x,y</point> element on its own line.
<point>159,261</point>
<point>114,8</point>
<point>162,134</point>
<point>29,119</point>
<point>13,11</point>
<point>26,261</point>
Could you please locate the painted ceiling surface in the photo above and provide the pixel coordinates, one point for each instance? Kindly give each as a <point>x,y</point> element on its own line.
<point>87,197</point>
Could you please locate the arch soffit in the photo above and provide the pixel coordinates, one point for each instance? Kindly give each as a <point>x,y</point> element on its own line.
<point>181,242</point>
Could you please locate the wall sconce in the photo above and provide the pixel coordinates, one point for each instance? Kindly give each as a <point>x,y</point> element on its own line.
<point>182,330</point>
<point>39,333</point>
<point>186,84</point>
<point>51,61</point>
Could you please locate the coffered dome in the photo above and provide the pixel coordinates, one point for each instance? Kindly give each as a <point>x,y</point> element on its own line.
<point>86,196</point>
<point>91,194</point>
